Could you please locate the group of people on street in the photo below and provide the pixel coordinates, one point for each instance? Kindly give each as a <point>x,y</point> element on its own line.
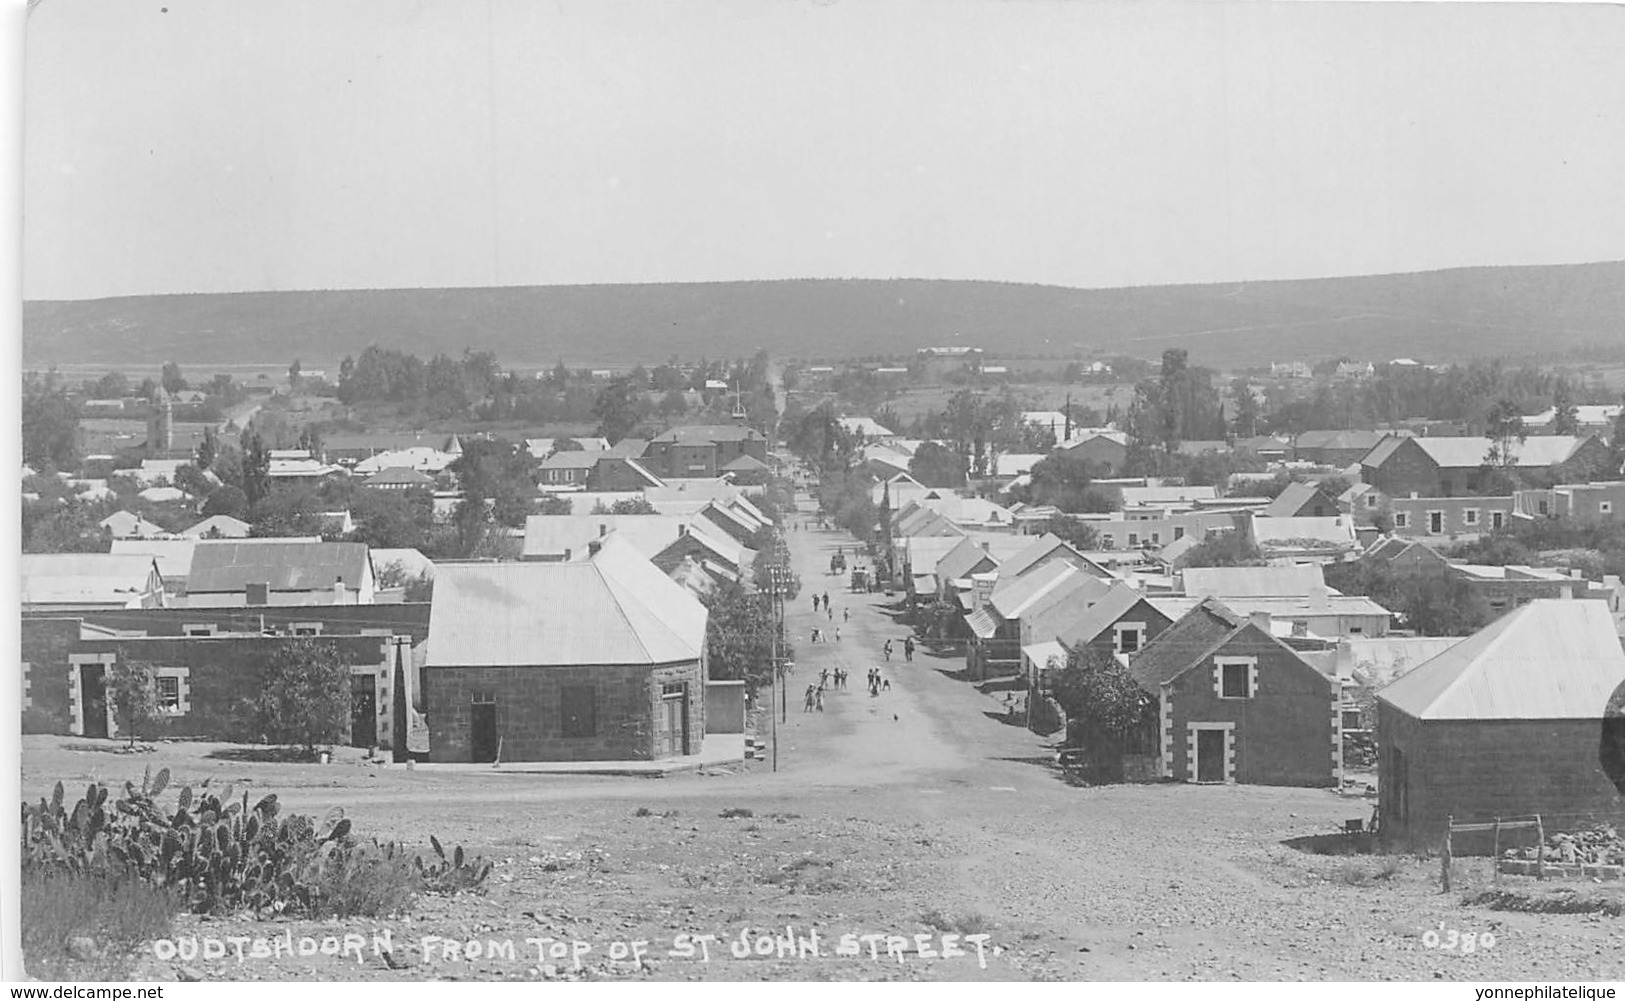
<point>908,649</point>
<point>877,684</point>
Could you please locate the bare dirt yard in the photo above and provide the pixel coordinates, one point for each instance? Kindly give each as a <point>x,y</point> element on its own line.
<point>921,815</point>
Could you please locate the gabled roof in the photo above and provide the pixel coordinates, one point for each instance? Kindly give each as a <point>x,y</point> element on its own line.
<point>219,566</point>
<point>1339,440</point>
<point>1041,548</point>
<point>574,459</point>
<point>613,609</point>
<point>961,559</point>
<point>1382,450</point>
<point>628,448</point>
<point>1118,600</point>
<point>1458,452</point>
<point>1550,659</point>
<point>399,475</point>
<point>124,524</point>
<point>643,472</point>
<point>1133,496</point>
<point>411,561</point>
<point>225,524</point>
<point>703,434</point>
<point>91,578</point>
<point>1012,597</point>
<point>1290,501</point>
<point>419,457</point>
<point>1177,647</point>
<point>1309,532</point>
<point>1253,581</point>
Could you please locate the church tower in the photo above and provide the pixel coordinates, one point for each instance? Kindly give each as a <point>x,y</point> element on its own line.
<point>161,426</point>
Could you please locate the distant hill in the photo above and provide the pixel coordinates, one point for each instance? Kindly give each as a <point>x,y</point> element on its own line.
<point>1437,315</point>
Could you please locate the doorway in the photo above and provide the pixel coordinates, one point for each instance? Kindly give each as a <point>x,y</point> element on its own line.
<point>483,732</point>
<point>363,711</point>
<point>93,692</point>
<point>675,707</point>
<point>1210,755</point>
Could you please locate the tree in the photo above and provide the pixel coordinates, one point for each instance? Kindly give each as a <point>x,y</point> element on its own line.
<point>293,376</point>
<point>632,505</point>
<point>936,465</point>
<point>132,690</point>
<point>207,449</point>
<point>1616,441</point>
<point>1565,415</point>
<point>739,636</point>
<point>1223,549</point>
<point>256,467</point>
<point>173,381</point>
<point>1074,531</point>
<point>304,696</point>
<point>50,423</point>
<point>1503,427</point>
<point>227,500</point>
<point>1246,423</point>
<point>113,386</point>
<point>1063,479</point>
<point>1105,709</point>
<point>673,404</point>
<point>616,411</point>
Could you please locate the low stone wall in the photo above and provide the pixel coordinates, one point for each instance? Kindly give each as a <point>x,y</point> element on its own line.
<point>1562,870</point>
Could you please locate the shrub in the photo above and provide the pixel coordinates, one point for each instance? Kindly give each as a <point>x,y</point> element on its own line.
<point>115,911</point>
<point>132,688</point>
<point>216,856</point>
<point>305,696</point>
<point>736,811</point>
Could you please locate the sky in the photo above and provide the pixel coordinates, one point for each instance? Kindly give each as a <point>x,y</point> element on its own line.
<point>232,145</point>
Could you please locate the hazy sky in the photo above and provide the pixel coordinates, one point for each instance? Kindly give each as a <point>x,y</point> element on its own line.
<point>187,146</point>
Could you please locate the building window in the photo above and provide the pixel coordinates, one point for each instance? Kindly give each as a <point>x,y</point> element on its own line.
<point>1470,516</point>
<point>305,628</point>
<point>1237,677</point>
<point>578,707</point>
<point>1545,507</point>
<point>197,630</point>
<point>1402,519</point>
<point>1130,636</point>
<point>1156,538</point>
<point>169,694</point>
<point>1435,522</point>
<point>1498,520</point>
<point>1605,507</point>
<point>1356,630</point>
<point>1133,539</point>
<point>1179,533</point>
<point>1370,500</point>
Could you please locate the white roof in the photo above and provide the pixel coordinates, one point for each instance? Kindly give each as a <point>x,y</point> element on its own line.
<point>419,457</point>
<point>616,608</point>
<point>1280,532</point>
<point>225,524</point>
<point>161,495</point>
<point>89,578</point>
<point>1536,451</point>
<point>412,562</point>
<point>1550,659</point>
<point>174,556</point>
<point>1015,463</point>
<point>866,426</point>
<point>1237,582</point>
<point>1135,496</point>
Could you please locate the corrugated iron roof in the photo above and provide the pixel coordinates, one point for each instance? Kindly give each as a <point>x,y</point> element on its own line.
<point>1043,652</point>
<point>616,608</point>
<point>982,623</point>
<point>173,556</point>
<point>1118,600</point>
<point>962,558</point>
<point>1537,451</point>
<point>102,578</point>
<point>1013,598</point>
<point>1550,659</point>
<point>1227,582</point>
<point>285,566</point>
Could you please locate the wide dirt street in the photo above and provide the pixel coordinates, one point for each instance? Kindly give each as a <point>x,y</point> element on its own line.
<point>919,812</point>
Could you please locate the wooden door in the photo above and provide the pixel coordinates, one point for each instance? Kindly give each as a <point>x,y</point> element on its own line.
<point>363,711</point>
<point>1210,755</point>
<point>93,696</point>
<point>676,721</point>
<point>483,732</point>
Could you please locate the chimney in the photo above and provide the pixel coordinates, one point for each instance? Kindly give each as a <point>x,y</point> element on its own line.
<point>1260,619</point>
<point>338,590</point>
<point>987,546</point>
<point>603,529</point>
<point>567,556</point>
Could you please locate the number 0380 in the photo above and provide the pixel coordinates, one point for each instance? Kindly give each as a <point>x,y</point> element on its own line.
<point>1451,940</point>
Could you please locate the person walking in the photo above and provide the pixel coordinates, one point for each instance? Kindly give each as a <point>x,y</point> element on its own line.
<point>826,601</point>
<point>886,650</point>
<point>908,649</point>
<point>815,634</point>
<point>815,604</point>
<point>837,634</point>
<point>807,706</point>
<point>819,705</point>
<point>846,615</point>
<point>823,676</point>
<point>828,611</point>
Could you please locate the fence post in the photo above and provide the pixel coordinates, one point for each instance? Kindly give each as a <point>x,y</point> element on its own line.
<point>1495,857</point>
<point>1444,858</point>
<point>1540,848</point>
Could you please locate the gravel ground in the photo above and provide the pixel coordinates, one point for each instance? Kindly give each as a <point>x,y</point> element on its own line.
<point>918,813</point>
